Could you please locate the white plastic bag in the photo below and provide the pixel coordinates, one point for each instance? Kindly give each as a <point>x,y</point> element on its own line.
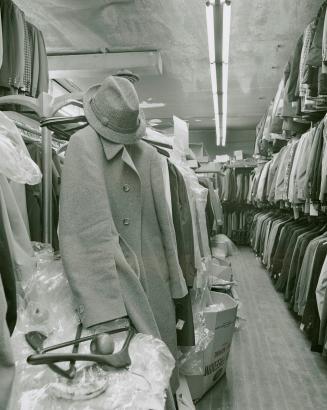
<point>222,246</point>
<point>48,308</point>
<point>15,161</point>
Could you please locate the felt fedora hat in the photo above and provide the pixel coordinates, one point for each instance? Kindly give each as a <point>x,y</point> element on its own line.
<point>113,110</point>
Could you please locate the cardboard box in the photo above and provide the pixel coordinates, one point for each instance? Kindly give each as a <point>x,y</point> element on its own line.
<point>192,163</point>
<point>218,269</point>
<point>222,158</point>
<point>214,358</point>
<point>183,395</point>
<point>204,159</point>
<point>238,155</point>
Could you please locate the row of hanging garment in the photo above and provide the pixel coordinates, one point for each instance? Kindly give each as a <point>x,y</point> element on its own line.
<point>187,200</point>
<point>234,184</point>
<point>296,176</point>
<point>214,209</point>
<point>24,62</point>
<point>29,290</point>
<point>31,203</point>
<point>302,93</point>
<point>294,252</point>
<point>17,262</point>
<point>237,222</point>
<point>21,205</point>
<point>178,192</point>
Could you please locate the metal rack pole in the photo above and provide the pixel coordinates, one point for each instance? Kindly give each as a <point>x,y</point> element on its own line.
<point>47,185</point>
<point>45,106</point>
<point>45,103</point>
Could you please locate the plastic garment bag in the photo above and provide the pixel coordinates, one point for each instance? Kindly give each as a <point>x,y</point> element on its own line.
<point>15,161</point>
<point>48,308</point>
<point>222,246</point>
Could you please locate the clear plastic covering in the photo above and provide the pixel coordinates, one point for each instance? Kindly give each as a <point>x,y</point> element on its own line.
<point>15,161</point>
<point>190,362</point>
<point>222,246</point>
<point>198,200</point>
<point>48,308</point>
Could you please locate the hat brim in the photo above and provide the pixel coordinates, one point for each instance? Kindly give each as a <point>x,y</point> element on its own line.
<point>105,131</point>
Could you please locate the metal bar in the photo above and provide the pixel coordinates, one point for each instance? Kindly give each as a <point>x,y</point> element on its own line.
<point>46,102</point>
<point>27,128</point>
<point>72,51</point>
<point>47,185</point>
<point>88,65</point>
<point>28,102</point>
<point>83,339</point>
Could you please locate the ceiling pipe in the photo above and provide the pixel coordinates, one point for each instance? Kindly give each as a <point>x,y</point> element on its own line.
<point>88,65</point>
<point>101,50</point>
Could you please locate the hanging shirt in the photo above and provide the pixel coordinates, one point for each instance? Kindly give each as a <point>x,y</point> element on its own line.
<point>1,42</point>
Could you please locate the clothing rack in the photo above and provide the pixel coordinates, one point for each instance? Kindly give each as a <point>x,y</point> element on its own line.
<point>44,106</point>
<point>198,171</point>
<point>240,166</point>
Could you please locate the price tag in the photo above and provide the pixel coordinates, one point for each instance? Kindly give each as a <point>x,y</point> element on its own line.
<point>296,212</point>
<point>180,324</point>
<point>307,207</point>
<point>313,210</point>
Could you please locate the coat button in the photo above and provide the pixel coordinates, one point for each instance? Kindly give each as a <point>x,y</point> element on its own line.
<point>126,187</point>
<point>126,221</point>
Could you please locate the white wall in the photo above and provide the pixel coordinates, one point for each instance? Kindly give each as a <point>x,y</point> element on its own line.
<point>236,140</point>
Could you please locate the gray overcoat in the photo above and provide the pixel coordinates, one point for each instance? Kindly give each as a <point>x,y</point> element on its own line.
<point>116,235</point>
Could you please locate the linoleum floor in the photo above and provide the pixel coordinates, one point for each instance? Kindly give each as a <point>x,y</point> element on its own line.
<point>270,366</point>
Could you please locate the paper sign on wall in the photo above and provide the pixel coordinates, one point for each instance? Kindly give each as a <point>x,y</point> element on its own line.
<point>313,210</point>
<point>181,136</point>
<point>222,158</point>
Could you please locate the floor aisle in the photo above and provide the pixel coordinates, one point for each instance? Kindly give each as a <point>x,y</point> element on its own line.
<point>270,366</point>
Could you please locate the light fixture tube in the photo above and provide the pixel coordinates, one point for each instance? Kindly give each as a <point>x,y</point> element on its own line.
<point>224,102</point>
<point>211,33</point>
<point>225,58</point>
<point>218,133</point>
<point>212,61</point>
<point>213,75</point>
<point>226,31</point>
<point>221,129</point>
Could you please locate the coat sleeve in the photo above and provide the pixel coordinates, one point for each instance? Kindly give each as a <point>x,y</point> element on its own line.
<point>88,236</point>
<point>178,287</point>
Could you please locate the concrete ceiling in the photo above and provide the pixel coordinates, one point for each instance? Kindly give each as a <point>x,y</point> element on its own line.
<point>263,34</point>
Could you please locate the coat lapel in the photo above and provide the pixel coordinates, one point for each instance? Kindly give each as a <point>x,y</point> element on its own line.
<point>111,150</point>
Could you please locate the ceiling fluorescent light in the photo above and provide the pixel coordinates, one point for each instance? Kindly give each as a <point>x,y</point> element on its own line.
<point>211,33</point>
<point>224,102</point>
<point>225,58</point>
<point>144,105</point>
<point>224,129</point>
<point>218,135</point>
<point>213,74</point>
<point>212,60</point>
<point>215,103</point>
<point>226,31</point>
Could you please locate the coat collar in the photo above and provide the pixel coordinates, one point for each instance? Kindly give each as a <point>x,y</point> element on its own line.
<point>111,150</point>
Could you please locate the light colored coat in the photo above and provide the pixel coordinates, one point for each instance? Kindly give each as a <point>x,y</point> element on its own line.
<point>116,235</point>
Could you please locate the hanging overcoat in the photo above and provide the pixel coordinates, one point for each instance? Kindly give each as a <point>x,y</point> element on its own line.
<point>116,235</point>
